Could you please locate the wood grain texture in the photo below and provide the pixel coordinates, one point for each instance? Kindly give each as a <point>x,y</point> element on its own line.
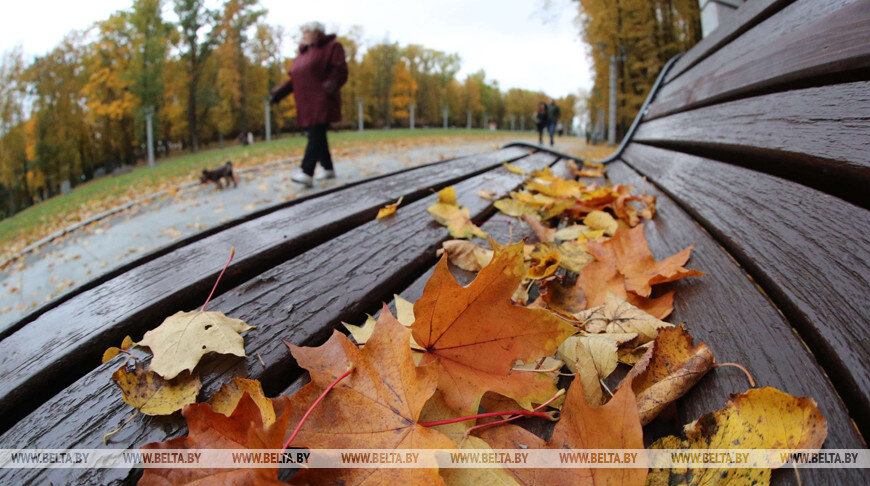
<point>744,18</point>
<point>301,301</point>
<point>808,250</point>
<point>828,124</point>
<point>729,312</point>
<point>816,136</point>
<point>67,341</point>
<point>807,39</point>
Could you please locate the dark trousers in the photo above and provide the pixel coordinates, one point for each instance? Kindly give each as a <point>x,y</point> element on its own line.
<point>541,127</point>
<point>317,149</point>
<point>551,128</point>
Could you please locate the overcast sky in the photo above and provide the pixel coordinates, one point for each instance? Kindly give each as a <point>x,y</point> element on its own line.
<point>520,43</point>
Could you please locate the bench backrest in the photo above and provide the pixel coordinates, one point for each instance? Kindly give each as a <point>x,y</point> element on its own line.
<point>761,133</point>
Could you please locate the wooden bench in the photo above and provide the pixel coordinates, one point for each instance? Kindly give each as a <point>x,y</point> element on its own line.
<point>755,142</point>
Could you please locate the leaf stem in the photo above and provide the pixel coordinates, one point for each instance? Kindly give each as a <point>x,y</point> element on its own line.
<point>510,419</point>
<point>316,402</point>
<point>232,252</point>
<point>522,413</point>
<point>749,376</point>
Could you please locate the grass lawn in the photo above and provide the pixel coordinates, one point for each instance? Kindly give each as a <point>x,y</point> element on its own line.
<point>105,193</point>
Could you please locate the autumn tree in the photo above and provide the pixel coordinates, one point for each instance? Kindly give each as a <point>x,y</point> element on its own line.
<point>649,31</point>
<point>150,37</point>
<point>233,78</point>
<point>193,19</point>
<point>403,92</point>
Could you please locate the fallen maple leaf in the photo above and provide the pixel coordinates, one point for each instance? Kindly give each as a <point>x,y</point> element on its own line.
<point>226,400</point>
<point>389,209</point>
<point>488,195</point>
<point>628,251</point>
<point>572,254</point>
<point>436,409</point>
<point>209,429</point>
<point>599,279</point>
<point>592,358</point>
<point>667,371</point>
<point>617,315</point>
<point>475,334</point>
<point>150,394</point>
<point>110,353</point>
<point>764,418</point>
<point>456,219</point>
<point>404,314</point>
<point>376,407</point>
<point>546,267</point>
<point>614,425</point>
<point>513,169</point>
<point>465,254</point>
<point>184,337</point>
<point>600,220</point>
<point>512,207</point>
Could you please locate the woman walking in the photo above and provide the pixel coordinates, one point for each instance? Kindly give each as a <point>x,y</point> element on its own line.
<point>541,121</point>
<point>316,78</point>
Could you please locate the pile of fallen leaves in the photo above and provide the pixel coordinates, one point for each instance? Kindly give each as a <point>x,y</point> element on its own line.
<point>578,303</point>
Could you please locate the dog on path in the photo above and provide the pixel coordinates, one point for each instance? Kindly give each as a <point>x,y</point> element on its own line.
<point>216,175</point>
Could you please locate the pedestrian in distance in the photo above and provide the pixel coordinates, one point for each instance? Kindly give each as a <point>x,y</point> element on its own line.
<point>553,114</point>
<point>316,77</point>
<point>541,121</point>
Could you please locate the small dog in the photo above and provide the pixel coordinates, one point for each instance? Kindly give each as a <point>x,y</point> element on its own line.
<point>224,172</point>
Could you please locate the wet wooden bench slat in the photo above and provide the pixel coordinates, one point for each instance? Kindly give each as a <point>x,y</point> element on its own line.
<point>66,342</point>
<point>809,250</point>
<point>806,39</point>
<point>744,18</point>
<point>817,136</point>
<point>728,311</point>
<point>301,300</point>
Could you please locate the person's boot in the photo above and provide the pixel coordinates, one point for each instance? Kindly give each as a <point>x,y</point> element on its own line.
<point>327,174</point>
<point>302,178</point>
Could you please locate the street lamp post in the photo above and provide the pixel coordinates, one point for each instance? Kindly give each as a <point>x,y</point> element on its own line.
<point>411,113</point>
<point>359,111</point>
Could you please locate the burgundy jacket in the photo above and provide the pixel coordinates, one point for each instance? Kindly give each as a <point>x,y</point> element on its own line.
<point>316,76</point>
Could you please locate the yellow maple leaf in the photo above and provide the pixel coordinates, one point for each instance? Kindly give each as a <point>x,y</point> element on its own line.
<point>184,337</point>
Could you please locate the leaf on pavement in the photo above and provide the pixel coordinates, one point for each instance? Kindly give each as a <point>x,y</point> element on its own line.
<point>580,427</point>
<point>210,429</point>
<point>488,195</point>
<point>376,407</point>
<point>764,418</point>
<point>389,209</point>
<point>184,337</point>
<point>668,370</point>
<point>147,392</point>
<point>628,251</point>
<point>475,334</point>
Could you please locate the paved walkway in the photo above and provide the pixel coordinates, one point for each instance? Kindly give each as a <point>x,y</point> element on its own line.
<point>103,246</point>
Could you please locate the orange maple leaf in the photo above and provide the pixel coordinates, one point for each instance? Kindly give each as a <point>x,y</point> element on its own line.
<point>475,334</point>
<point>376,407</point>
<point>615,425</point>
<point>208,429</point>
<point>629,253</point>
